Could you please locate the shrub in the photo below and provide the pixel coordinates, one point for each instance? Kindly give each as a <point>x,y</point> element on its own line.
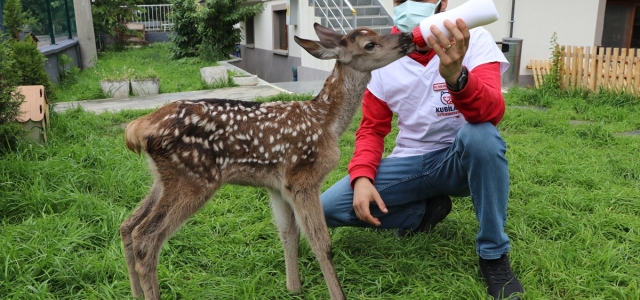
<point>215,37</point>
<point>185,26</point>
<point>9,101</point>
<point>109,17</point>
<point>30,62</point>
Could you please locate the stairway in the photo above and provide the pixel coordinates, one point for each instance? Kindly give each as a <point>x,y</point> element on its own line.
<point>369,13</point>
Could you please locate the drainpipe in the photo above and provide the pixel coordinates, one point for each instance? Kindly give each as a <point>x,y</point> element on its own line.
<point>513,10</point>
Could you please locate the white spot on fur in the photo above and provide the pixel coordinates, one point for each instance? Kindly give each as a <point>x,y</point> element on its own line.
<point>294,158</point>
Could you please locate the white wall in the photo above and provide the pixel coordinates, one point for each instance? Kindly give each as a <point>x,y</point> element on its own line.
<point>307,32</point>
<point>576,23</point>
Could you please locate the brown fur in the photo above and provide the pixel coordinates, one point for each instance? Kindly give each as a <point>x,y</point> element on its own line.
<point>194,147</point>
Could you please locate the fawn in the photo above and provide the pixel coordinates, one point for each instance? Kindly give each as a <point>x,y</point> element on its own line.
<point>194,147</point>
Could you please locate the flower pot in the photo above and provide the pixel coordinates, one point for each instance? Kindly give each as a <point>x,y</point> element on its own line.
<point>145,86</point>
<point>212,75</point>
<point>244,80</point>
<point>116,88</point>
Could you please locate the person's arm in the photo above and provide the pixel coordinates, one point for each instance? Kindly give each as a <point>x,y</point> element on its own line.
<point>481,100</point>
<point>375,125</point>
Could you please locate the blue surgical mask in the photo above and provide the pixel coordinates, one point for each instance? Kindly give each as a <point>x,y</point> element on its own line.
<point>408,15</point>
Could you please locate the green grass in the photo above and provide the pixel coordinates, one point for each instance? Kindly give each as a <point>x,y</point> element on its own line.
<point>175,75</point>
<point>573,219</point>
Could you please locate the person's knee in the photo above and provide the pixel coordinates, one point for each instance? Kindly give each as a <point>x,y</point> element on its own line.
<point>334,202</point>
<point>481,138</point>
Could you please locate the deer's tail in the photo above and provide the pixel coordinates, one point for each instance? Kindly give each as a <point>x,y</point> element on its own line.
<point>135,135</point>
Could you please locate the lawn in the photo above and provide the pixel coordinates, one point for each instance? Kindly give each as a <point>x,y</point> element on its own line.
<point>573,218</point>
<point>175,75</point>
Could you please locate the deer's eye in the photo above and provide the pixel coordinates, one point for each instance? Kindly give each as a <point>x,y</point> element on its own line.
<point>369,46</point>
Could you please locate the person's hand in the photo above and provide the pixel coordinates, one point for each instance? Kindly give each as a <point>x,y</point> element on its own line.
<point>451,51</point>
<point>363,194</point>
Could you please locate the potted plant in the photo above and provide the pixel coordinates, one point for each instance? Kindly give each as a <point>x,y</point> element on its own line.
<point>115,84</point>
<point>145,83</point>
<point>245,79</point>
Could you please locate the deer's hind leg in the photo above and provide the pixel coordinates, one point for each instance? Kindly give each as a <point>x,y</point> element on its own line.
<point>308,211</point>
<point>289,236</point>
<point>182,197</point>
<point>127,228</point>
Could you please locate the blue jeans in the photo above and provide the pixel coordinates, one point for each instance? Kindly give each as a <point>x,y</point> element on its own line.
<point>474,165</point>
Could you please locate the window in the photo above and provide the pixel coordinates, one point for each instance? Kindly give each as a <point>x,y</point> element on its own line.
<point>621,24</point>
<point>248,32</point>
<point>280,28</point>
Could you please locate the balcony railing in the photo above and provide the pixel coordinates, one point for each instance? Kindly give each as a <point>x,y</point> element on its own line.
<point>156,18</point>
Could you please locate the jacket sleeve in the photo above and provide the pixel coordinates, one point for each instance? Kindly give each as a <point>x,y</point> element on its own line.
<point>374,127</point>
<point>481,100</point>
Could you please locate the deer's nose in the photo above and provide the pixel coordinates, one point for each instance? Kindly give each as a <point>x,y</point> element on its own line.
<point>406,37</point>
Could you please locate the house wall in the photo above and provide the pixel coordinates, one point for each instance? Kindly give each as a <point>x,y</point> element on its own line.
<point>276,66</point>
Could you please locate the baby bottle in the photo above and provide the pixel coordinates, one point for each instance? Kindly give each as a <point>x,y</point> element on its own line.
<point>474,13</point>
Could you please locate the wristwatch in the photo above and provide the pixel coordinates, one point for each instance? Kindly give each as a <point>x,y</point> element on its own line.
<point>461,82</point>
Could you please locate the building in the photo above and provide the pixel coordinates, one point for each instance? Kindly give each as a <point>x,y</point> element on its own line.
<point>269,50</point>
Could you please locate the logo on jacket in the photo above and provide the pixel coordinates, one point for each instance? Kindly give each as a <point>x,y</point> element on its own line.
<point>445,98</point>
<point>448,109</point>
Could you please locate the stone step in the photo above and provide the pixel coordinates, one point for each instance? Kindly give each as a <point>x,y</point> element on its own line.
<point>353,2</point>
<point>360,21</point>
<point>367,10</point>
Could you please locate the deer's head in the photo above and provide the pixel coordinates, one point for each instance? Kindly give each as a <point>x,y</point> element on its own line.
<point>361,49</point>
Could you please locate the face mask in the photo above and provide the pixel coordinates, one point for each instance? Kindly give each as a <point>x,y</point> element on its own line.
<point>408,15</point>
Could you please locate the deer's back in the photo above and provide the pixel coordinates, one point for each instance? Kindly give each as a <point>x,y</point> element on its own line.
<point>242,142</point>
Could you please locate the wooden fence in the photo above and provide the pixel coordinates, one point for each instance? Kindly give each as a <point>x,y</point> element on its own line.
<point>596,68</point>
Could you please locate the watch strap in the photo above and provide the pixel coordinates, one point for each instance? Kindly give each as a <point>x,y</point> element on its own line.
<point>461,82</point>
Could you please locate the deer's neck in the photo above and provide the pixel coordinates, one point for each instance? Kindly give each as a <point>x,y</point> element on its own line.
<point>341,96</point>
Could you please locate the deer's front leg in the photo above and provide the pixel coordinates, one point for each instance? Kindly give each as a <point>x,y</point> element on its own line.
<point>290,238</point>
<point>306,203</point>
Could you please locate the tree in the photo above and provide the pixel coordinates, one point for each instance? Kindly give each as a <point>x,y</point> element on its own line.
<point>15,18</point>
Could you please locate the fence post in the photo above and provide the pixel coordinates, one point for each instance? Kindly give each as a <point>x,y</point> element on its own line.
<point>66,14</point>
<point>50,23</point>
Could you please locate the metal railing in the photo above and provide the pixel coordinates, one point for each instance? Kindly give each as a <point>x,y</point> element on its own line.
<point>156,18</point>
<point>326,10</point>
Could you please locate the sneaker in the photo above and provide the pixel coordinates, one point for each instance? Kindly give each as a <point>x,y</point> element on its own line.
<point>437,209</point>
<point>500,278</point>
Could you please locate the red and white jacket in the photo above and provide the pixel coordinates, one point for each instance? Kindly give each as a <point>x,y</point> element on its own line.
<point>429,114</point>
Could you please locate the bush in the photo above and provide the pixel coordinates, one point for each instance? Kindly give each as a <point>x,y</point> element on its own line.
<point>9,101</point>
<point>109,17</point>
<point>185,26</point>
<point>30,62</point>
<point>215,37</point>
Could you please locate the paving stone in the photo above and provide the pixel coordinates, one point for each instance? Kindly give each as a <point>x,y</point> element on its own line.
<point>629,133</point>
<point>540,108</point>
<point>578,122</point>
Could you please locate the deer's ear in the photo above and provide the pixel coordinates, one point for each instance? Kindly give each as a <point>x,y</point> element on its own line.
<point>320,50</point>
<point>326,34</point>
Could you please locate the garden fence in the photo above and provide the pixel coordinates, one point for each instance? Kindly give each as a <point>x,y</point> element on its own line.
<point>612,69</point>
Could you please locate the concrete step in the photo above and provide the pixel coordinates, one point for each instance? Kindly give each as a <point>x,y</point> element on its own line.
<point>366,10</point>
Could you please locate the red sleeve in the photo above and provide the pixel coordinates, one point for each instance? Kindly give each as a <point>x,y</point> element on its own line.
<point>481,99</point>
<point>375,125</point>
